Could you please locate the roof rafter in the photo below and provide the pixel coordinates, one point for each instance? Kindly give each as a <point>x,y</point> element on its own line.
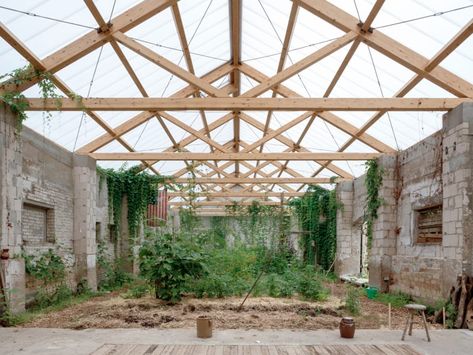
<point>144,116</point>
<point>390,47</point>
<point>448,48</point>
<point>282,59</point>
<point>38,64</point>
<point>95,39</point>
<point>190,65</point>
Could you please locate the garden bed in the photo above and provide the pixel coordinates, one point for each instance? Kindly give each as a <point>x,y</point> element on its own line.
<point>114,311</point>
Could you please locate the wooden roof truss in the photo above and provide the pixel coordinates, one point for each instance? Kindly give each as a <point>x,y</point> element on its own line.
<point>202,95</point>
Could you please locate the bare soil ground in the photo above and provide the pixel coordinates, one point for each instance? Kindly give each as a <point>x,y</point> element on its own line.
<point>113,311</point>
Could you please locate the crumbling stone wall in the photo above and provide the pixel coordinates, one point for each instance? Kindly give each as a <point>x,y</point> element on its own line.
<point>435,171</point>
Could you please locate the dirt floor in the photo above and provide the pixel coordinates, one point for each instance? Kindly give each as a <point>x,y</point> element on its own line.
<point>113,311</point>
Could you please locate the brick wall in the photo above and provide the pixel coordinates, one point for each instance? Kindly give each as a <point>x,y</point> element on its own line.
<point>34,226</point>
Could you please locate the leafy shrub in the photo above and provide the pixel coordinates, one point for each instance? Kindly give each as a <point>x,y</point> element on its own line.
<point>47,267</point>
<point>310,286</point>
<point>167,263</point>
<point>352,300</point>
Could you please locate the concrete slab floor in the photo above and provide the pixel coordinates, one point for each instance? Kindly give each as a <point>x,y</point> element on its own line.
<point>65,341</point>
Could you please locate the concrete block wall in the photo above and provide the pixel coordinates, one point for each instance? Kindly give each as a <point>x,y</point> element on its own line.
<point>85,246</point>
<point>348,246</point>
<point>11,195</point>
<point>36,172</point>
<point>437,170</point>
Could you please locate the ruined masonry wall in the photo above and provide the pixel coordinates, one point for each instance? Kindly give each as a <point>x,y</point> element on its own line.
<point>437,170</point>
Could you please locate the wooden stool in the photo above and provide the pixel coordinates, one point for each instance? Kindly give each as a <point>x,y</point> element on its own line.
<point>413,309</point>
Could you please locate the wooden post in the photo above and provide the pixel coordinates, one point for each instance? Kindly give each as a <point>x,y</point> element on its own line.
<point>389,315</point>
<point>443,317</point>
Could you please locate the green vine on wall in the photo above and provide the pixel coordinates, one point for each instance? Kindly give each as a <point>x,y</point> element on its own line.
<point>263,225</point>
<point>317,213</point>
<point>140,189</point>
<point>373,181</point>
<point>17,101</point>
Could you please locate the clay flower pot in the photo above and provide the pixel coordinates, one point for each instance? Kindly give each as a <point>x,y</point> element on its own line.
<point>204,327</point>
<point>5,255</point>
<point>347,327</point>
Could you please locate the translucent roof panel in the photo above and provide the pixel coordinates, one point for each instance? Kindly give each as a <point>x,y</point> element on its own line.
<point>45,26</point>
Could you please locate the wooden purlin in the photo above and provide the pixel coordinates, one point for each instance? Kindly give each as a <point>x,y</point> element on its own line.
<point>247,104</point>
<point>174,156</point>
<point>248,180</point>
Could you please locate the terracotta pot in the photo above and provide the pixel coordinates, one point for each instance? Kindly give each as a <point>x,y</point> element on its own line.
<point>204,327</point>
<point>347,327</point>
<point>5,255</point>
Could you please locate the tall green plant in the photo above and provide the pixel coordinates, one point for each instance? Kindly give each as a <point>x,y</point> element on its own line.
<point>373,182</point>
<point>317,213</point>
<point>166,262</point>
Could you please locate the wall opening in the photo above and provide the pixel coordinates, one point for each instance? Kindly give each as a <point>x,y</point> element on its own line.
<point>428,222</point>
<point>38,225</point>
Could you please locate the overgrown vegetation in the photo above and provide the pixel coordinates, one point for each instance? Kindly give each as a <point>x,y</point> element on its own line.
<point>258,224</point>
<point>352,300</point>
<point>49,272</point>
<point>111,270</point>
<point>373,181</point>
<point>167,263</point>
<point>317,213</point>
<point>15,98</point>
<point>140,189</point>
<point>205,267</point>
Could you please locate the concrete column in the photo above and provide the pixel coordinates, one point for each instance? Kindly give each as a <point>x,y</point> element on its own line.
<point>384,229</point>
<point>85,194</point>
<point>457,242</point>
<point>11,194</point>
<point>347,259</point>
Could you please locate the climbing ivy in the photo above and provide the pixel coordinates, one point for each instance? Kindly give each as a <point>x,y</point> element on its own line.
<point>317,213</point>
<point>17,101</point>
<point>140,189</point>
<point>373,181</point>
<point>262,225</point>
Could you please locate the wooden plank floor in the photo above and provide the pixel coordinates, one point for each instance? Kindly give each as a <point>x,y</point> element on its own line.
<point>355,349</point>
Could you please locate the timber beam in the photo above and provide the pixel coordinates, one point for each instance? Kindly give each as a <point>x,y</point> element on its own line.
<point>237,194</point>
<point>175,156</point>
<point>250,104</point>
<point>241,180</point>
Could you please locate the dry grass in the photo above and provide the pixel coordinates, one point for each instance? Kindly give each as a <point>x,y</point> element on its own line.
<point>113,311</point>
